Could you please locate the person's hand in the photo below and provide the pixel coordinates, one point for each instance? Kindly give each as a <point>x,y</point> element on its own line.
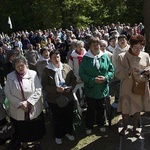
<point>67,90</point>
<point>79,80</point>
<point>133,70</point>
<point>60,89</point>
<point>100,79</point>
<point>24,105</point>
<point>147,72</point>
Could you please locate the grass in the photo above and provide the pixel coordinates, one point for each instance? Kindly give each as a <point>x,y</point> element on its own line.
<point>97,140</point>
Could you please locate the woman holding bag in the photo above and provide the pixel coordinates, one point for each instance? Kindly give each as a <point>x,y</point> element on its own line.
<point>130,67</point>
<point>56,76</point>
<point>23,91</point>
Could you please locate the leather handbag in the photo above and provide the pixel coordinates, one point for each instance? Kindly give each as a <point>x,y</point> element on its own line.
<point>62,101</point>
<point>138,87</point>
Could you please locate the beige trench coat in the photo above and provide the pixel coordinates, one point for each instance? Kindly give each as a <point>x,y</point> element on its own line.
<point>130,103</point>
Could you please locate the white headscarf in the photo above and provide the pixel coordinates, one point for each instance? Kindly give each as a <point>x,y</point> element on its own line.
<point>44,59</point>
<point>95,58</point>
<point>58,73</point>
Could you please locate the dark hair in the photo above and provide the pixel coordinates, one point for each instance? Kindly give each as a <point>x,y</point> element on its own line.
<point>43,49</point>
<point>135,39</point>
<point>18,59</point>
<point>111,38</point>
<point>11,53</point>
<point>122,36</point>
<point>94,40</point>
<point>54,52</point>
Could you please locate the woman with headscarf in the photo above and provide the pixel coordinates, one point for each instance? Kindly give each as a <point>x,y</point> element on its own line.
<point>96,71</point>
<point>56,76</point>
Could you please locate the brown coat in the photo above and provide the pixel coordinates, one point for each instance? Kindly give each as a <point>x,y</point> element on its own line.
<point>48,83</point>
<point>130,103</point>
<point>40,66</point>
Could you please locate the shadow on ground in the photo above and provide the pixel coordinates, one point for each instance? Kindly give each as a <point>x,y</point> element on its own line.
<point>97,140</point>
<point>129,142</point>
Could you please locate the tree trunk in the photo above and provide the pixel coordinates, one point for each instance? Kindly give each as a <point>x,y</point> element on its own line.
<point>146,11</point>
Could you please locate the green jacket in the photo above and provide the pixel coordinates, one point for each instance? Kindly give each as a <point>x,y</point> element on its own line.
<point>88,72</point>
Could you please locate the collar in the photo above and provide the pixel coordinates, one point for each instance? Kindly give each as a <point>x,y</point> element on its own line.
<point>89,54</point>
<point>52,67</point>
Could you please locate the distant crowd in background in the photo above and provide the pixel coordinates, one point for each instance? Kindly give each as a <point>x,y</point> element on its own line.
<point>62,40</point>
<point>55,36</point>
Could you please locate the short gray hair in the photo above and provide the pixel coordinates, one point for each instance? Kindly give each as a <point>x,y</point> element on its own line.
<point>104,42</point>
<point>18,59</point>
<point>79,42</point>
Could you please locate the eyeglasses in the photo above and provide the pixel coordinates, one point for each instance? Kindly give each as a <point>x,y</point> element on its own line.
<point>138,48</point>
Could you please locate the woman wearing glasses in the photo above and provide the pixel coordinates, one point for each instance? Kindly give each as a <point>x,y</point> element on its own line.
<point>130,66</point>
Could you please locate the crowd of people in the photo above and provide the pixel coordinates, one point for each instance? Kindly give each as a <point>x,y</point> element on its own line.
<point>52,62</point>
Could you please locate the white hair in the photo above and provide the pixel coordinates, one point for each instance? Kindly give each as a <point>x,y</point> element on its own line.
<point>104,42</point>
<point>79,42</point>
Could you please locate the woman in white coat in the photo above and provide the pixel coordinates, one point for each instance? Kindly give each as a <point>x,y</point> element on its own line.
<point>23,91</point>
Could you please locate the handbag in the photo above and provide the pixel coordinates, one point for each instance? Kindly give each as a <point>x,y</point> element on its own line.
<point>8,129</point>
<point>138,87</point>
<point>62,101</point>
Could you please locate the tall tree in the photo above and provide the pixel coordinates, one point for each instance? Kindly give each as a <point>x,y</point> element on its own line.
<point>146,10</point>
<point>44,14</point>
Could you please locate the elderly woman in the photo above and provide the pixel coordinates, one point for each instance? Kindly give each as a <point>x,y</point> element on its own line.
<point>54,78</point>
<point>121,47</point>
<point>41,64</point>
<point>96,71</point>
<point>130,66</point>
<point>111,44</point>
<point>43,60</point>
<point>23,91</point>
<point>104,49</point>
<point>76,58</point>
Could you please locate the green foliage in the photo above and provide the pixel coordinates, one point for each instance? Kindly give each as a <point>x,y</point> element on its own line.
<point>134,11</point>
<point>44,14</point>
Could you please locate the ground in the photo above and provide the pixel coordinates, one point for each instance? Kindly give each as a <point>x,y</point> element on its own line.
<point>106,141</point>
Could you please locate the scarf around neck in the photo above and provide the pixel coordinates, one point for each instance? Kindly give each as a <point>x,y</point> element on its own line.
<point>20,77</point>
<point>130,51</point>
<point>95,58</point>
<point>44,59</point>
<point>58,73</point>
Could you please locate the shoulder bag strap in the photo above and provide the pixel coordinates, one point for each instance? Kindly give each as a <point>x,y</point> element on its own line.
<point>26,113</point>
<point>21,91</point>
<point>128,61</point>
<point>130,75</point>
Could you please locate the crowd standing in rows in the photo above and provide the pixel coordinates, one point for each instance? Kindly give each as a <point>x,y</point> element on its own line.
<point>92,57</point>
